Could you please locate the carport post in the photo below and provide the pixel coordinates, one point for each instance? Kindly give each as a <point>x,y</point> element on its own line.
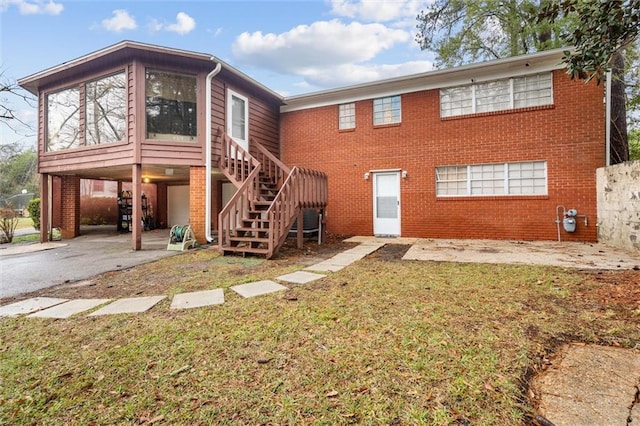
<point>44,207</point>
<point>136,214</point>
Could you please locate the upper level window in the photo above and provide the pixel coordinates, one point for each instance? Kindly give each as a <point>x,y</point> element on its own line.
<point>63,119</point>
<point>171,106</point>
<point>497,95</point>
<point>526,178</point>
<point>347,116</point>
<point>106,106</point>
<point>104,118</point>
<point>387,110</point>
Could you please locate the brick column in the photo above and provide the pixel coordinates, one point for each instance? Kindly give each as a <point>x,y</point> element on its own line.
<point>70,194</point>
<point>197,201</point>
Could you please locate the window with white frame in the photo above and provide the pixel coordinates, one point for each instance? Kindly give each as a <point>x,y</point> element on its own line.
<point>387,110</point>
<point>347,116</point>
<point>524,178</point>
<point>497,95</point>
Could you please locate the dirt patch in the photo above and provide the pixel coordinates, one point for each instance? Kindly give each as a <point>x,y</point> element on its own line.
<point>391,252</point>
<point>617,290</point>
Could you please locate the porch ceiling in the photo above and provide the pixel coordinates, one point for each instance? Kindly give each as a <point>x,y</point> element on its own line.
<point>154,172</point>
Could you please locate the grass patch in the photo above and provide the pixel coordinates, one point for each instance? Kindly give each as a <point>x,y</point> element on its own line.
<point>377,343</point>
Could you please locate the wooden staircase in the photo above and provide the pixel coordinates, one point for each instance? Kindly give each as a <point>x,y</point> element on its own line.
<point>270,197</point>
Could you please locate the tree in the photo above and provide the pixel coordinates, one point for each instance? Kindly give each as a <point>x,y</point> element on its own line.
<point>463,31</point>
<point>18,171</point>
<point>603,34</point>
<point>9,93</point>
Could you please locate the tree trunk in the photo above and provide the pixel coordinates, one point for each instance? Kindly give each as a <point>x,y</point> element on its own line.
<point>619,142</point>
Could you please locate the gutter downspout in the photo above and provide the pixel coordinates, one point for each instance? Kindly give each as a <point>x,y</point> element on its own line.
<point>207,209</point>
<point>607,149</point>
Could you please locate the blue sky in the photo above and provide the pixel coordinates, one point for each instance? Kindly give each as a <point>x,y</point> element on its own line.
<point>291,47</point>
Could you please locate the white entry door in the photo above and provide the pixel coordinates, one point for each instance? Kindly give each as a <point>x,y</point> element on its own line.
<point>238,118</point>
<point>386,203</point>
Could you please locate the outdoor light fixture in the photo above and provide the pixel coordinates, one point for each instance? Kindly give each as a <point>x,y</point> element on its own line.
<point>404,174</point>
<point>146,180</point>
<point>366,176</point>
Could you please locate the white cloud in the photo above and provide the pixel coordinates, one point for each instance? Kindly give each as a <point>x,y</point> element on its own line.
<point>379,11</point>
<point>328,54</point>
<point>37,7</point>
<point>120,21</point>
<point>349,74</point>
<point>319,45</point>
<point>184,24</point>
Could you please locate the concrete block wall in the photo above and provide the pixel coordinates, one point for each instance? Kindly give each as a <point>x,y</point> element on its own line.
<point>619,205</point>
<point>569,136</point>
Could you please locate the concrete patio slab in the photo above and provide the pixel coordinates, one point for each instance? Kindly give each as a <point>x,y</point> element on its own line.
<point>132,305</point>
<point>257,288</point>
<point>30,305</point>
<point>29,248</point>
<point>67,309</point>
<point>300,277</point>
<point>198,299</point>
<point>589,385</point>
<point>566,254</point>
<point>380,240</point>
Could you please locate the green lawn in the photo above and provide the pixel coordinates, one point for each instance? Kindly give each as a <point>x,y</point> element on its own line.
<point>380,342</point>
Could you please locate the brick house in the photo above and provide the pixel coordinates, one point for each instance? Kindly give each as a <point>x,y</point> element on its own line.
<point>490,150</point>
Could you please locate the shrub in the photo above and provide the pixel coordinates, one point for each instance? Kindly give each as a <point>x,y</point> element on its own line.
<point>34,211</point>
<point>8,223</point>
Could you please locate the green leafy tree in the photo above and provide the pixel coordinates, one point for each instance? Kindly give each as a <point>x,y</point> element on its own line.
<point>464,31</point>
<point>18,172</point>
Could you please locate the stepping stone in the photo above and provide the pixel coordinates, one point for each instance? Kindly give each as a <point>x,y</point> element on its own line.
<point>300,277</point>
<point>28,306</point>
<point>72,307</point>
<point>198,299</point>
<point>132,305</point>
<point>257,288</point>
<point>326,266</point>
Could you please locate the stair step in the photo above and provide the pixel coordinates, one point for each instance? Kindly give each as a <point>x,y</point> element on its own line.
<point>248,239</point>
<point>251,229</point>
<point>244,250</point>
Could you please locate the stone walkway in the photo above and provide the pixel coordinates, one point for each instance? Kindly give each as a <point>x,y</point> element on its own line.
<point>48,307</point>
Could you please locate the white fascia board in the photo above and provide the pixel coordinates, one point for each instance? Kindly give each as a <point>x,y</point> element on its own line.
<point>467,74</point>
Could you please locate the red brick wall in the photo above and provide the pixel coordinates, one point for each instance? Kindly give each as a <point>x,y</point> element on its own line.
<point>197,202</point>
<point>570,136</point>
<point>70,201</point>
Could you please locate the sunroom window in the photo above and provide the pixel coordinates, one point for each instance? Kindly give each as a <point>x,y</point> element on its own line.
<point>106,107</point>
<point>63,119</point>
<point>104,118</point>
<point>171,106</point>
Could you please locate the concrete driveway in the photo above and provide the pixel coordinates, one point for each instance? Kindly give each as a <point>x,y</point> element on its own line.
<point>29,267</point>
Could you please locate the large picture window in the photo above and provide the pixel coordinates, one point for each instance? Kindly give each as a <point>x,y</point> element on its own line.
<point>63,120</point>
<point>171,106</point>
<point>497,95</point>
<point>525,178</point>
<point>106,110</point>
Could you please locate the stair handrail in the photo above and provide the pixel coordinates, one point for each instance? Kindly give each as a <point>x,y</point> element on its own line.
<point>243,170</point>
<point>302,189</point>
<point>272,167</point>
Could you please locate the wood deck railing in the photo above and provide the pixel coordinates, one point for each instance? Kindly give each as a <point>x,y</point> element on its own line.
<point>303,189</point>
<point>245,224</point>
